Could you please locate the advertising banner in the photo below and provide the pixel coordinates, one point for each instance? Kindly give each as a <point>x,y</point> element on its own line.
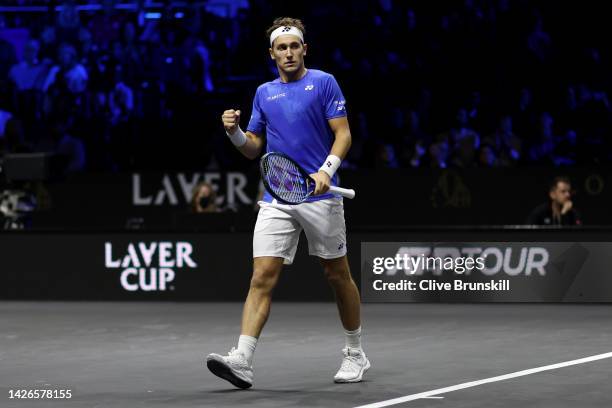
<point>486,271</point>
<point>218,266</point>
<point>185,266</point>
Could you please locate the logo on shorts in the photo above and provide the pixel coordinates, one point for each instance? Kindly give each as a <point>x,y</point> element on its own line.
<point>340,246</point>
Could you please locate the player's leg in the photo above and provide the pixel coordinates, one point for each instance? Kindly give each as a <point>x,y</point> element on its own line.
<point>237,366</point>
<point>266,270</point>
<point>354,362</point>
<point>275,241</point>
<point>339,277</point>
<point>324,225</point>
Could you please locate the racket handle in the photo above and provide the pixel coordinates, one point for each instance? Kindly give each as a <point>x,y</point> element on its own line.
<point>344,192</point>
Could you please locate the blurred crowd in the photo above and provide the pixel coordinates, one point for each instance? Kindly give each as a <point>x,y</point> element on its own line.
<point>490,83</point>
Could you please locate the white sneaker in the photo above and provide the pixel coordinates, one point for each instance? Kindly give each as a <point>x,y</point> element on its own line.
<point>354,365</point>
<point>233,368</point>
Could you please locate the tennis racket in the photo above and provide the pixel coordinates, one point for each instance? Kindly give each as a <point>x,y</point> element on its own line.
<point>286,181</point>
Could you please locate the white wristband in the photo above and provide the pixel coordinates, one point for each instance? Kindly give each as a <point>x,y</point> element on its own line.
<point>238,138</point>
<point>331,165</point>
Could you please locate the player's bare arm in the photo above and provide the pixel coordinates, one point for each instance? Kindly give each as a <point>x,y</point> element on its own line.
<point>340,148</point>
<point>249,143</point>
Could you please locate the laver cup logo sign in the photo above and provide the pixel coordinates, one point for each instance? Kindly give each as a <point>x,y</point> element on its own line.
<point>148,266</point>
<point>485,271</point>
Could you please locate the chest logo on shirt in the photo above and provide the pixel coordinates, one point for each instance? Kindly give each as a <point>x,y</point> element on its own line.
<point>309,87</point>
<point>274,97</point>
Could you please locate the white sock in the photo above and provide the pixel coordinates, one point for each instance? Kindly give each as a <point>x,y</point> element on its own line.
<point>353,338</point>
<point>246,345</point>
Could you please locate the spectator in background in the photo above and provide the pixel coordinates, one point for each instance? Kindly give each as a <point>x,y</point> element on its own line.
<point>121,102</point>
<point>7,57</point>
<point>420,150</point>
<point>462,131</point>
<point>566,151</point>
<point>69,73</point>
<point>594,122</point>
<point>465,140</point>
<point>28,74</point>
<point>69,148</point>
<point>386,157</point>
<point>505,142</point>
<point>525,115</point>
<point>203,199</point>
<point>68,22</point>
<point>485,57</point>
<point>414,140</point>
<point>539,41</point>
<point>559,210</point>
<point>122,136</point>
<point>5,117</point>
<point>131,59</point>
<point>542,150</point>
<point>438,154</point>
<point>201,59</point>
<point>487,157</point>
<point>464,154</point>
<point>48,42</point>
<point>105,27</point>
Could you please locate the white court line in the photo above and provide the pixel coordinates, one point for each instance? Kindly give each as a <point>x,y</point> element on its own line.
<point>471,384</point>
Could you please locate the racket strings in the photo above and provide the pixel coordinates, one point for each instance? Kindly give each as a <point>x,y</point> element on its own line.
<point>283,184</point>
<point>285,179</point>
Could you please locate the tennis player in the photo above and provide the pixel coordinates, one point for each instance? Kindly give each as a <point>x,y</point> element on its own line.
<point>302,114</point>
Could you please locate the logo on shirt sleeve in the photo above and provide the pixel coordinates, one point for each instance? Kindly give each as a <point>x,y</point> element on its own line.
<point>340,105</point>
<point>309,87</point>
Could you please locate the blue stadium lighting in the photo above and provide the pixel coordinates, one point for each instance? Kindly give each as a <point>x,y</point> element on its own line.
<point>179,14</point>
<point>152,15</point>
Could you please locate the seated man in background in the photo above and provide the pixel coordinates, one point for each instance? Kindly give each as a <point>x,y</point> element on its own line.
<point>559,210</point>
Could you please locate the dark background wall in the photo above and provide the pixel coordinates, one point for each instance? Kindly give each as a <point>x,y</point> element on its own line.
<point>385,199</point>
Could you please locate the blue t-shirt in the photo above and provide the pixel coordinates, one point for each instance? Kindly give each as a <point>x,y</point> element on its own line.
<point>294,116</point>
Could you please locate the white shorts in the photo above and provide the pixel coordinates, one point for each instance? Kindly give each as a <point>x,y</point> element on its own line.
<point>278,229</point>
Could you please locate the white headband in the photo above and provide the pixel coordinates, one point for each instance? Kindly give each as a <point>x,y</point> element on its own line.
<point>286,30</point>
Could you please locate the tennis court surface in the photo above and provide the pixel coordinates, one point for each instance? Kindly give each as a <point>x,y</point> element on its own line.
<point>423,355</point>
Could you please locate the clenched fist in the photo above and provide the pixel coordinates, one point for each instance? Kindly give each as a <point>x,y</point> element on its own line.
<point>231,120</point>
